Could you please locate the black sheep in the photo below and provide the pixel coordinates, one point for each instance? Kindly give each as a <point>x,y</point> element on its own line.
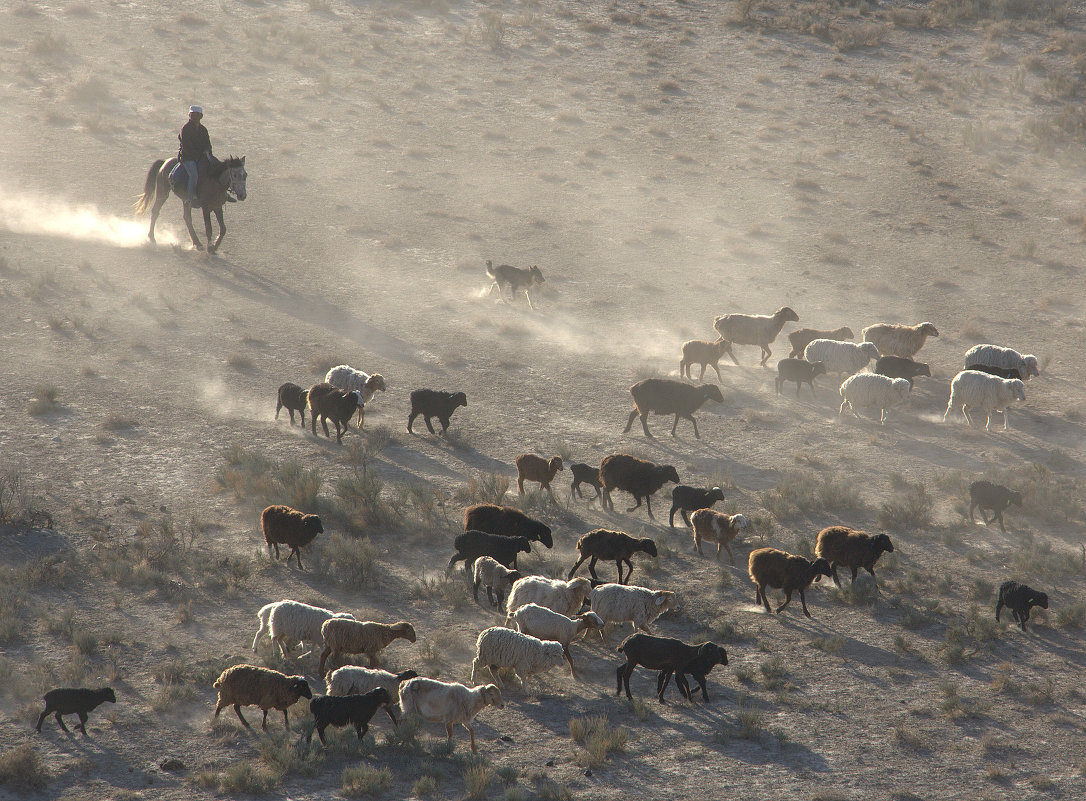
<point>799,370</point>
<point>470,545</point>
<point>506,521</point>
<point>685,499</point>
<point>635,476</point>
<point>74,701</point>
<point>584,474</point>
<point>283,525</point>
<point>1019,599</point>
<point>610,545</point>
<point>434,403</point>
<point>1002,372</point>
<point>340,710</point>
<point>900,367</point>
<point>996,497</point>
<point>847,547</point>
<point>666,396</point>
<point>668,655</point>
<point>338,405</point>
<point>294,398</point>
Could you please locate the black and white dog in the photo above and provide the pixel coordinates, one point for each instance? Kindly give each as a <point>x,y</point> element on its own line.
<point>517,278</point>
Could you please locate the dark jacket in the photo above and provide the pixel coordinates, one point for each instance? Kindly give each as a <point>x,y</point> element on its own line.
<point>194,141</point>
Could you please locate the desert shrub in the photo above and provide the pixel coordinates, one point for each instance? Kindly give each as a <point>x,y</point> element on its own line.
<point>477,780</point>
<point>910,508</point>
<point>598,738</point>
<point>485,488</point>
<point>1071,617</point>
<point>346,558</point>
<point>365,781</point>
<point>285,754</point>
<point>803,494</point>
<point>359,501</point>
<point>46,400</point>
<point>22,769</point>
<point>241,778</point>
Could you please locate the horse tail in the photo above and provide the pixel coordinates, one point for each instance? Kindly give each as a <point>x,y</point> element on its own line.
<point>144,201</point>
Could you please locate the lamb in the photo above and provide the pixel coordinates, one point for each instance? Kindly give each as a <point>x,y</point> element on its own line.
<point>434,403</point>
<point>618,603</point>
<point>640,478</point>
<point>668,656</point>
<point>850,548</point>
<point>294,398</point>
<point>287,622</point>
<point>705,353</point>
<point>357,680</point>
<point>357,710</point>
<point>498,647</point>
<point>471,545</point>
<point>996,356</point>
<point>989,495</point>
<point>283,525</point>
<point>329,403</point>
<point>496,577</point>
<point>686,499</point>
<point>754,329</point>
<point>564,597</point>
<point>802,337</point>
<point>535,468</point>
<point>717,527</point>
<point>250,685</point>
<point>769,567</point>
<point>899,340</point>
<point>840,357</point>
<point>870,389</point>
<point>546,624</point>
<point>74,701</point>
<point>1002,372</point>
<point>584,474</point>
<point>1019,599</point>
<point>799,370</point>
<point>608,545</point>
<point>507,521</point>
<point>898,367</point>
<point>986,392</point>
<point>666,396</point>
<point>345,377</point>
<point>352,637</point>
<point>448,702</point>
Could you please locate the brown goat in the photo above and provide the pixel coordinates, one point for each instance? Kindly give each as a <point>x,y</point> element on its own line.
<point>535,468</point>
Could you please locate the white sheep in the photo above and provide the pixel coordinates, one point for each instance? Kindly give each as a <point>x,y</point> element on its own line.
<point>498,647</point>
<point>346,377</point>
<point>989,393</point>
<point>841,357</point>
<point>871,389</point>
<point>618,603</point>
<point>496,577</point>
<point>1008,358</point>
<point>357,680</point>
<point>287,622</point>
<point>899,340</point>
<point>546,624</point>
<point>564,597</point>
<point>448,702</point>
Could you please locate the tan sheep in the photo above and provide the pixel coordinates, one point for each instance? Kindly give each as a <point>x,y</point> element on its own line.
<point>535,468</point>
<point>249,685</point>
<point>706,353</point>
<point>899,340</point>
<point>342,636</point>
<point>712,526</point>
<point>802,337</point>
<point>754,329</point>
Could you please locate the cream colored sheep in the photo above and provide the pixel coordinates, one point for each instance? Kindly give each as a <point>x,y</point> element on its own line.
<point>498,647</point>
<point>989,393</point>
<point>546,624</point>
<point>707,354</point>
<point>618,603</point>
<point>448,702</point>
<point>496,577</point>
<point>871,389</point>
<point>1008,358</point>
<point>893,339</point>
<point>351,637</point>
<point>754,329</point>
<point>564,597</point>
<point>287,622</point>
<point>841,357</point>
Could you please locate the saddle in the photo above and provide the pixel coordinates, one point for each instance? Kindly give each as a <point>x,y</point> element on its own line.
<point>205,170</point>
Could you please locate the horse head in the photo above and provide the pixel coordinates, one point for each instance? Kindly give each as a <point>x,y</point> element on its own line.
<point>235,175</point>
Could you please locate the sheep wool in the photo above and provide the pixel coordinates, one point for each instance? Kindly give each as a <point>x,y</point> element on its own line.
<point>989,393</point>
<point>564,597</point>
<point>449,703</point>
<point>356,680</point>
<point>352,637</point>
<point>498,647</point>
<point>754,329</point>
<point>287,622</point>
<point>250,685</point>
<point>871,389</point>
<point>899,340</point>
<point>841,357</point>
<point>997,356</point>
<point>619,603</point>
<point>545,624</point>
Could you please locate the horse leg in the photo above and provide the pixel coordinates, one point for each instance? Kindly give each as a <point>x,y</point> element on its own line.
<point>192,231</point>
<point>207,228</point>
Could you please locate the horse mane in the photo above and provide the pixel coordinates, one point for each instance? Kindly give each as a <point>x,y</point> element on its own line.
<point>226,164</point>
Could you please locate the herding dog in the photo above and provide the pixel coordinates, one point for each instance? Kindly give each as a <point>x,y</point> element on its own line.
<point>517,278</point>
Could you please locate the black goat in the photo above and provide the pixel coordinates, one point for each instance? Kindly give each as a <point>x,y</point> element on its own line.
<point>989,495</point>
<point>799,370</point>
<point>74,701</point>
<point>669,656</point>
<point>434,403</point>
<point>1019,599</point>
<point>506,521</point>
<point>584,474</point>
<point>470,545</point>
<point>685,499</point>
<point>1002,372</point>
<point>340,710</point>
<point>900,367</point>
<point>294,398</point>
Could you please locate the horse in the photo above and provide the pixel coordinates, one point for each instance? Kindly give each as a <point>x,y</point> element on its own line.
<point>211,191</point>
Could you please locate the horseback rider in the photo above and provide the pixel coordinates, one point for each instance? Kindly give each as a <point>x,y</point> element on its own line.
<point>195,143</point>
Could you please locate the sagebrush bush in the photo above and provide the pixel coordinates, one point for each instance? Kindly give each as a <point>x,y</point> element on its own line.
<point>22,769</point>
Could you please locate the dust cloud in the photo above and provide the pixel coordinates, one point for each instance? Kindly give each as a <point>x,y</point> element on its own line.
<point>27,214</point>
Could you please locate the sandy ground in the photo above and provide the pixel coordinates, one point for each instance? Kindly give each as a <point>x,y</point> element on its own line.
<point>662,167</point>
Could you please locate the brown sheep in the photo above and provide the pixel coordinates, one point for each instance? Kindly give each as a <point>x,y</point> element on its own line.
<point>283,525</point>
<point>802,337</point>
<point>851,548</point>
<point>608,545</point>
<point>706,353</point>
<point>666,396</point>
<point>635,476</point>
<point>345,636</point>
<point>535,468</point>
<point>717,527</point>
<point>754,329</point>
<point>770,567</point>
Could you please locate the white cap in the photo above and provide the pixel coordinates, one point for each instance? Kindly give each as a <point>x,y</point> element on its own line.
<point>196,110</point>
